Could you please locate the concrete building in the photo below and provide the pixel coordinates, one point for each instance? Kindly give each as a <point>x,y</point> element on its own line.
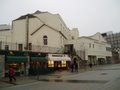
<point>114,40</point>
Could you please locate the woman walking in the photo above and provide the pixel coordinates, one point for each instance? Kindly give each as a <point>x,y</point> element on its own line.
<point>11,75</point>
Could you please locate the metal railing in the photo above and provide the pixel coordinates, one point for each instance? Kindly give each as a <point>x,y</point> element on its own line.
<point>34,48</point>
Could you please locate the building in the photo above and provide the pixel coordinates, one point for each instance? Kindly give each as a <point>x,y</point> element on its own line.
<point>41,41</point>
<point>33,38</point>
<point>35,31</point>
<point>114,40</point>
<point>94,49</point>
<point>5,36</point>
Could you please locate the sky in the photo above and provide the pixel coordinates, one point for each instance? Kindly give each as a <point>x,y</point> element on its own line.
<point>89,16</point>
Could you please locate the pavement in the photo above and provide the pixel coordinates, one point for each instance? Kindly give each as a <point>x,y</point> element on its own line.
<point>58,75</point>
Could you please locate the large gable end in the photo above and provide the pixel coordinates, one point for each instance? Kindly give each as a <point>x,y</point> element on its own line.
<point>98,36</point>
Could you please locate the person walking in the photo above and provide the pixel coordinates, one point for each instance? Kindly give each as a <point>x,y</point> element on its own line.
<point>71,66</point>
<point>90,65</point>
<point>11,75</point>
<point>76,67</point>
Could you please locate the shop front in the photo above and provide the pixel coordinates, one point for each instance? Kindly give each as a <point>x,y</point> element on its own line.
<point>38,66</point>
<point>19,63</point>
<point>59,61</point>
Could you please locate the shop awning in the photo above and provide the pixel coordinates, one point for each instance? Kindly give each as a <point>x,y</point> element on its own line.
<point>17,59</point>
<point>59,58</point>
<point>38,59</point>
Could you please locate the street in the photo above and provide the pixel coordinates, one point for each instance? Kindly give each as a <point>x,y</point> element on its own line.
<point>106,77</point>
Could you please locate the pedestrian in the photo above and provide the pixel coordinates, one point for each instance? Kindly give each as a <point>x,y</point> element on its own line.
<point>76,67</point>
<point>90,65</point>
<point>71,66</point>
<point>11,75</point>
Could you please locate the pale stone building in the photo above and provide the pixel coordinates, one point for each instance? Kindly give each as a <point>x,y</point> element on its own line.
<point>42,39</point>
<point>94,48</point>
<point>47,32</point>
<point>5,36</point>
<point>40,29</point>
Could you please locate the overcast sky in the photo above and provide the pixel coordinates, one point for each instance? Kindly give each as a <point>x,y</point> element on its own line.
<point>89,16</point>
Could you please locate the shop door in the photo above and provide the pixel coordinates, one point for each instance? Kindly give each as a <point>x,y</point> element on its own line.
<point>57,64</point>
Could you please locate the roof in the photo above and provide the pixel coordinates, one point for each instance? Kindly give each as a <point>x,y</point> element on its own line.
<point>4,27</point>
<point>86,37</point>
<point>29,15</point>
<point>49,27</point>
<point>24,16</point>
<point>38,12</point>
<point>91,37</point>
<point>44,24</point>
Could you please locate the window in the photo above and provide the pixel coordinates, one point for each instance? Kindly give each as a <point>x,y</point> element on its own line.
<point>30,46</point>
<point>89,45</point>
<point>93,45</point>
<point>108,49</point>
<point>20,47</point>
<point>61,27</point>
<point>72,37</point>
<point>6,47</point>
<point>50,63</point>
<point>63,63</point>
<point>0,45</point>
<point>45,40</point>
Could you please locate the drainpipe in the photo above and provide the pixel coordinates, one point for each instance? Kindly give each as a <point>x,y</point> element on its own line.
<point>27,32</point>
<point>27,43</point>
<point>27,65</point>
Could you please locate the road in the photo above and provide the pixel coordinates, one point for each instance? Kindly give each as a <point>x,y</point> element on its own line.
<point>102,78</point>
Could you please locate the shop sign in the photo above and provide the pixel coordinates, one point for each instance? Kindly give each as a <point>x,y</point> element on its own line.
<point>57,55</point>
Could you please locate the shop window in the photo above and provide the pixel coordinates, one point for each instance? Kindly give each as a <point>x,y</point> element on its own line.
<point>55,64</point>
<point>45,40</point>
<point>63,63</point>
<point>59,64</point>
<point>50,63</point>
<point>19,68</point>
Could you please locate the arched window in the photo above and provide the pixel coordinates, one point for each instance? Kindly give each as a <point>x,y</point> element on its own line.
<point>45,40</point>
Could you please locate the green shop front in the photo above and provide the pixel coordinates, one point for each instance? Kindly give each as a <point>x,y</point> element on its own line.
<point>39,65</point>
<point>19,63</point>
<point>27,65</point>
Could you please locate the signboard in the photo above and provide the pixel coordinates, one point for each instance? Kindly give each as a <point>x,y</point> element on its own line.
<point>2,66</point>
<point>59,57</point>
